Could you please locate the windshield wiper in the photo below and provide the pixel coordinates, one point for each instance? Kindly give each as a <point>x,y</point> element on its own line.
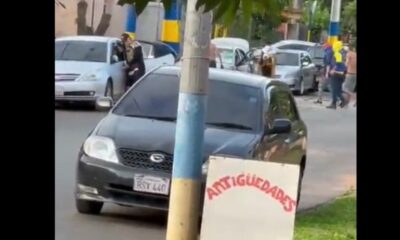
<point>169,119</point>
<point>230,125</point>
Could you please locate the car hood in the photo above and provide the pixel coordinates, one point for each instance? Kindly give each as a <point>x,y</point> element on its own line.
<point>75,67</point>
<point>153,135</point>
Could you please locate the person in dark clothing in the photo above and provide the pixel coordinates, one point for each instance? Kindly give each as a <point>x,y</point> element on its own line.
<point>134,62</point>
<point>338,75</point>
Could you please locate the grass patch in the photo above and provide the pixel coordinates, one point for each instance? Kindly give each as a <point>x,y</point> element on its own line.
<point>335,221</point>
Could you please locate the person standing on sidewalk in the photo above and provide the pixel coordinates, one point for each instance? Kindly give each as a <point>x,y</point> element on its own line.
<point>349,86</point>
<point>324,79</point>
<point>338,75</point>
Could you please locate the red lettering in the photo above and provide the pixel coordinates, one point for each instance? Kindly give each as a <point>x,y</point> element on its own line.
<point>211,193</point>
<point>272,191</point>
<point>234,181</point>
<point>258,182</point>
<point>241,180</point>
<point>250,180</point>
<point>291,204</point>
<point>280,195</point>
<point>218,186</point>
<point>265,186</point>
<point>225,180</point>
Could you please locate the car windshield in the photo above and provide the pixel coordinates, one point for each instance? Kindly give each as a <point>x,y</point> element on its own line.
<point>227,56</point>
<point>287,59</point>
<point>84,51</point>
<point>229,105</point>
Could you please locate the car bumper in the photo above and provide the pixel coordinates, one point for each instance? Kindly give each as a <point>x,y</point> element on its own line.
<point>113,183</point>
<point>78,91</point>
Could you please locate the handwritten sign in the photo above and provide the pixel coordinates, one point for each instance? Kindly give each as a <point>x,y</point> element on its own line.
<point>251,200</point>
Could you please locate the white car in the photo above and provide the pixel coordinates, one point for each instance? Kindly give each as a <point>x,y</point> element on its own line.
<point>86,67</point>
<point>234,54</point>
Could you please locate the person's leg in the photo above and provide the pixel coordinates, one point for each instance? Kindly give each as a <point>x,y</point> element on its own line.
<point>343,101</point>
<point>321,86</point>
<point>333,81</point>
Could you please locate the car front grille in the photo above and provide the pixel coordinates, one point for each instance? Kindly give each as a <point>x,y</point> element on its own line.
<point>66,77</point>
<point>140,159</point>
<point>79,93</point>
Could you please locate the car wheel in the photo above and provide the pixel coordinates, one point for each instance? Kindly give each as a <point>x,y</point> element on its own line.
<point>109,92</point>
<point>88,207</point>
<point>301,90</point>
<point>299,187</point>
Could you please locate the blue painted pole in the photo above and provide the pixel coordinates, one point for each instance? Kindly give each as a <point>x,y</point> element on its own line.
<point>131,21</point>
<point>334,29</point>
<point>184,206</point>
<point>171,25</point>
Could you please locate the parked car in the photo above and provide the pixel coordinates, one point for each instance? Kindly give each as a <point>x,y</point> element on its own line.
<point>86,67</point>
<point>234,54</point>
<point>127,159</point>
<point>296,69</point>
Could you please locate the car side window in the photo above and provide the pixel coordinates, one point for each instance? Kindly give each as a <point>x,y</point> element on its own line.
<point>117,50</point>
<point>160,51</point>
<point>273,111</point>
<point>287,106</point>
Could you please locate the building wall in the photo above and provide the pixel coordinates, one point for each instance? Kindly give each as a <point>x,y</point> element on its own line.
<point>146,27</point>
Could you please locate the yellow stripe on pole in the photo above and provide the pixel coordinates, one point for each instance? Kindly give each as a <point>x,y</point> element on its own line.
<point>220,31</point>
<point>170,32</point>
<point>332,39</point>
<point>184,204</point>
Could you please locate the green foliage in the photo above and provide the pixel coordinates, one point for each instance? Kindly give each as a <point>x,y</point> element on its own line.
<point>349,17</point>
<point>224,10</point>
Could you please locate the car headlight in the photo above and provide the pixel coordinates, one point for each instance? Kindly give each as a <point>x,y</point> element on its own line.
<point>102,148</point>
<point>88,77</point>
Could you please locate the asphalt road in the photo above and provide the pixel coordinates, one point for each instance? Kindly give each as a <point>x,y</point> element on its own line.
<point>330,171</point>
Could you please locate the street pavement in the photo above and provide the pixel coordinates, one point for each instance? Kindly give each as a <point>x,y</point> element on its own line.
<point>330,171</point>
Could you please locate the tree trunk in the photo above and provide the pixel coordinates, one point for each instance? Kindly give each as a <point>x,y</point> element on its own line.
<point>103,25</point>
<point>83,29</point>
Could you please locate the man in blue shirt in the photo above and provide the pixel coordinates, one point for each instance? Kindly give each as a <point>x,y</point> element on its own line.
<point>337,71</point>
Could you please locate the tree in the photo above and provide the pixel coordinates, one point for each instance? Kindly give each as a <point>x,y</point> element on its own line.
<point>224,10</point>
<point>349,17</point>
<point>83,28</point>
<point>321,17</point>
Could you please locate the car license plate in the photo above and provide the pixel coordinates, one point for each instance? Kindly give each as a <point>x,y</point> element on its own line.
<point>59,91</point>
<point>151,184</point>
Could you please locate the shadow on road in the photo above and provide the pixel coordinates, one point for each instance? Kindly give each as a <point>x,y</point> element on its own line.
<point>75,107</point>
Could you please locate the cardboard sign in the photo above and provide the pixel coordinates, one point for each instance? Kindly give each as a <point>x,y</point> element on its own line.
<point>249,200</point>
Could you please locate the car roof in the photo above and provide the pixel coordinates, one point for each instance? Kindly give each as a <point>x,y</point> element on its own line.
<point>235,77</point>
<point>291,51</point>
<point>231,42</point>
<point>87,38</point>
<point>285,42</point>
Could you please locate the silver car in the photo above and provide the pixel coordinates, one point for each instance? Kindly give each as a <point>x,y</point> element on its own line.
<point>88,67</point>
<point>296,69</point>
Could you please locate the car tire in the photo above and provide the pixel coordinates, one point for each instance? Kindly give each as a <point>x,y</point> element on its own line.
<point>88,207</point>
<point>301,90</point>
<point>299,187</point>
<point>109,91</point>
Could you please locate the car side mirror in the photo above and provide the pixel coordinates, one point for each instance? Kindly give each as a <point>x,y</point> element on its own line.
<point>104,103</point>
<point>305,64</point>
<point>114,59</point>
<point>281,126</point>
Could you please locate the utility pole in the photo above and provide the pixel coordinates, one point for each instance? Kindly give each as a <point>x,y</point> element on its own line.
<point>335,20</point>
<point>184,206</point>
